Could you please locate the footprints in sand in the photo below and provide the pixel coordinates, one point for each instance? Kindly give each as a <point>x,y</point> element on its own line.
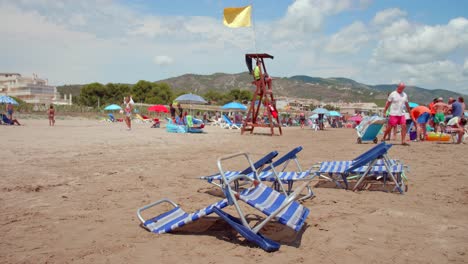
<point>32,188</point>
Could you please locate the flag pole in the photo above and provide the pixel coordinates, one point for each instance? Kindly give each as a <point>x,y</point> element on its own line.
<point>253,28</point>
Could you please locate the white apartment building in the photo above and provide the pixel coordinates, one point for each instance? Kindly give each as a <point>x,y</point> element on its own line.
<point>32,90</point>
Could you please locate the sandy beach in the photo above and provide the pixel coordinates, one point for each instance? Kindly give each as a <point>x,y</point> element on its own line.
<point>69,194</point>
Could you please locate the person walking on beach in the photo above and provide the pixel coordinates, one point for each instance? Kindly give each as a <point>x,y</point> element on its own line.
<point>51,115</point>
<point>396,100</point>
<point>128,107</point>
<point>302,120</point>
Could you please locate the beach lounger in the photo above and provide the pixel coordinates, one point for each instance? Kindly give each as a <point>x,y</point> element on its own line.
<point>111,117</point>
<point>175,217</point>
<point>229,124</point>
<point>140,119</point>
<point>286,210</point>
<point>270,173</point>
<point>283,177</point>
<point>373,164</point>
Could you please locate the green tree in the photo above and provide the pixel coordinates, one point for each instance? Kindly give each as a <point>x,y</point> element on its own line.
<point>237,95</point>
<point>245,95</point>
<point>141,91</point>
<point>91,93</point>
<point>151,92</point>
<point>116,92</point>
<point>161,93</point>
<point>213,96</point>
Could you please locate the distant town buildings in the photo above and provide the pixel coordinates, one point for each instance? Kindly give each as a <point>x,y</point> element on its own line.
<point>301,104</point>
<point>32,90</point>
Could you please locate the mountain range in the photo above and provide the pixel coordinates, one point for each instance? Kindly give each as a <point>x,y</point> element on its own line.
<point>300,86</point>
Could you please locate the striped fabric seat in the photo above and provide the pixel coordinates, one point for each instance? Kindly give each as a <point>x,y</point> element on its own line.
<point>268,201</point>
<point>340,167</point>
<point>284,176</point>
<point>177,217</point>
<point>228,174</point>
<point>381,170</point>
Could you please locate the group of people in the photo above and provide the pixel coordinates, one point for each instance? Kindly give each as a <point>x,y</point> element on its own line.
<point>7,118</point>
<point>437,114</point>
<point>177,114</point>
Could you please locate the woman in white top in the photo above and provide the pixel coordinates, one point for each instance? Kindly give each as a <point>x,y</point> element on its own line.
<point>128,112</point>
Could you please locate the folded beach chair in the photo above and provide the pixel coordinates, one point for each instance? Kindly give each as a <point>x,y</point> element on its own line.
<point>374,163</point>
<point>229,124</point>
<point>286,210</point>
<point>111,117</point>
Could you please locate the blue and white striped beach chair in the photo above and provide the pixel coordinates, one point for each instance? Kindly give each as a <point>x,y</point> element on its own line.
<point>373,163</point>
<point>269,172</point>
<point>217,180</point>
<point>175,217</point>
<point>282,177</point>
<point>285,209</point>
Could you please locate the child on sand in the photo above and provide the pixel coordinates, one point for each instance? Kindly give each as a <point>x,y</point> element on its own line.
<point>51,114</point>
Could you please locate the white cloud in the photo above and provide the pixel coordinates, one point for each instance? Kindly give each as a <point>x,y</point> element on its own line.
<point>397,28</point>
<point>111,41</point>
<point>441,74</point>
<point>388,16</point>
<point>348,39</point>
<point>423,44</point>
<point>163,60</point>
<point>465,68</point>
<point>307,16</point>
<point>78,20</point>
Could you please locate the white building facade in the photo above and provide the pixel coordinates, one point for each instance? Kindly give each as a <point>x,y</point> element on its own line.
<point>32,90</point>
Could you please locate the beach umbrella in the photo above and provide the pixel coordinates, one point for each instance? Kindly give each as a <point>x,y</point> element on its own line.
<point>234,106</point>
<point>158,108</point>
<point>333,113</point>
<point>314,116</point>
<point>320,110</point>
<point>190,99</point>
<point>5,99</point>
<point>112,107</point>
<point>412,104</point>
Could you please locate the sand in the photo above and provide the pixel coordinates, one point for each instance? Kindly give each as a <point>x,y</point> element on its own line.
<point>69,194</point>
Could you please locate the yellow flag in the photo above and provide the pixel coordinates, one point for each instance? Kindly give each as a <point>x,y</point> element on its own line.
<point>235,17</point>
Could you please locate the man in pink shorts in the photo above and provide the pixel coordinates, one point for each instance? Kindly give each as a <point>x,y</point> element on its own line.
<point>396,100</point>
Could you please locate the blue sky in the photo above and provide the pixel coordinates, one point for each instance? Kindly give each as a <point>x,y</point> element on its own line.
<point>423,43</point>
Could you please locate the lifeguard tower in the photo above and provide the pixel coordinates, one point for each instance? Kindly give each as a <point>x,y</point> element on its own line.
<point>263,96</point>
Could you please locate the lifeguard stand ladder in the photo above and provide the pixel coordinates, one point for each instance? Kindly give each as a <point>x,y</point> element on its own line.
<point>263,95</point>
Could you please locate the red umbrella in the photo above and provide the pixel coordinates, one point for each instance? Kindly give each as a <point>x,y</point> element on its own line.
<point>158,108</point>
